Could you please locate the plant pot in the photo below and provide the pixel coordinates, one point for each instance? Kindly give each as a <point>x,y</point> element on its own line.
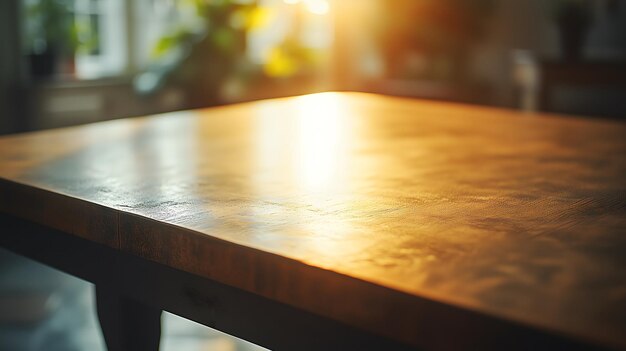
<point>43,65</point>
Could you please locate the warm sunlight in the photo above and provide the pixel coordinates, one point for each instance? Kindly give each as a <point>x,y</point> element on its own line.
<point>321,142</point>
<point>305,153</point>
<point>309,146</point>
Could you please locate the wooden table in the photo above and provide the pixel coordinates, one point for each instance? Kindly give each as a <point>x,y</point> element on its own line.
<point>339,221</point>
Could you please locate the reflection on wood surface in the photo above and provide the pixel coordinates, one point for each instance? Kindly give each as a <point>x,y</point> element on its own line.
<point>507,214</point>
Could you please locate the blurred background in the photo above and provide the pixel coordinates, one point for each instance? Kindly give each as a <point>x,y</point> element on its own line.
<point>69,62</point>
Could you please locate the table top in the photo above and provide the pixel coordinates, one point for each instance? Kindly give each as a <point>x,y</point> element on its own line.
<point>393,215</point>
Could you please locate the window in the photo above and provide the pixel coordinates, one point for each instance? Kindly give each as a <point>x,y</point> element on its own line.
<point>119,37</point>
<point>103,50</point>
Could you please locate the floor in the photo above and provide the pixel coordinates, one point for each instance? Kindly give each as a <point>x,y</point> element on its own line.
<point>44,309</point>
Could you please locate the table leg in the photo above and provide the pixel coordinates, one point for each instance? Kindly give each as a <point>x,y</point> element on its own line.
<point>127,324</point>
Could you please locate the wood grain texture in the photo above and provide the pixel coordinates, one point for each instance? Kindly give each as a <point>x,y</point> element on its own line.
<point>399,217</point>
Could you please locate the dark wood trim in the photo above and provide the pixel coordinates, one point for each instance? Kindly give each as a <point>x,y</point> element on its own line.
<point>245,315</point>
<point>250,316</point>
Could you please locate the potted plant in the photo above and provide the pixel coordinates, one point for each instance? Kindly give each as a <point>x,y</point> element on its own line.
<point>201,55</point>
<point>51,35</point>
